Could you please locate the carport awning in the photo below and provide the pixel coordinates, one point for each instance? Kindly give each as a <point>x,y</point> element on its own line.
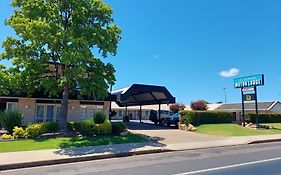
<point>139,94</point>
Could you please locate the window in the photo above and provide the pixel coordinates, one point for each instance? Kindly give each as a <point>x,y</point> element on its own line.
<point>147,113</point>
<point>50,113</point>
<point>40,113</point>
<point>83,112</point>
<point>58,114</point>
<point>11,106</point>
<point>120,112</point>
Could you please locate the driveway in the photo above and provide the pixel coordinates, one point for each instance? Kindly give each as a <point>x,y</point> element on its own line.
<point>169,135</point>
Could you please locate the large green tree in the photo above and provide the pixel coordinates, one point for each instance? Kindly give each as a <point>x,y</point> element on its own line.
<point>57,48</point>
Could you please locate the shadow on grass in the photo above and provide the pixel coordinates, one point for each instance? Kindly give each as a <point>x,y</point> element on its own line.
<point>104,144</point>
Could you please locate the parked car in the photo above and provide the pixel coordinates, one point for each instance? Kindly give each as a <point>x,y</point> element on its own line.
<point>166,118</point>
<point>173,119</point>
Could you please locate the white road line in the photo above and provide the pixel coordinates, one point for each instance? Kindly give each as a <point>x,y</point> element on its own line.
<point>230,166</point>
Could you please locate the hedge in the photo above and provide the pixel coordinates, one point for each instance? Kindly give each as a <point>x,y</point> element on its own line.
<point>205,117</point>
<point>263,118</point>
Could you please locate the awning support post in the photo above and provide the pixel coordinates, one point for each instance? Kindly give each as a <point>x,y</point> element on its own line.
<point>159,114</point>
<point>140,114</point>
<point>126,110</point>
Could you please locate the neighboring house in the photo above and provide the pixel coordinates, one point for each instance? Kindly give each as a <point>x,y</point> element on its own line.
<point>210,107</point>
<point>38,109</point>
<point>263,107</point>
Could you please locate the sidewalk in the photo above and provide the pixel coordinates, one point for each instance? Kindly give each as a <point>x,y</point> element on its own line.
<point>23,159</point>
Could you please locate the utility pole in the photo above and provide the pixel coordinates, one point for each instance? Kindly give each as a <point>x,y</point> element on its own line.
<point>224,90</point>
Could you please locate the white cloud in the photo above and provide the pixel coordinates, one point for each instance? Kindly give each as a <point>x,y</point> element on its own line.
<point>229,73</point>
<point>156,56</point>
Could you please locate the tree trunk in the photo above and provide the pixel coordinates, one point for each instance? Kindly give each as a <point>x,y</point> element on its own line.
<point>64,109</point>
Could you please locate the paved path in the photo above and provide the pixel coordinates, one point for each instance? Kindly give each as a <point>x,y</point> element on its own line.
<point>170,135</point>
<point>244,159</point>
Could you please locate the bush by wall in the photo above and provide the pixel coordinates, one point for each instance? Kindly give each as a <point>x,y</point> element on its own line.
<point>34,130</point>
<point>50,127</point>
<point>10,119</point>
<point>37,129</point>
<point>263,118</point>
<point>118,127</point>
<point>99,118</point>
<point>19,132</point>
<point>103,128</point>
<point>205,117</point>
<point>85,127</point>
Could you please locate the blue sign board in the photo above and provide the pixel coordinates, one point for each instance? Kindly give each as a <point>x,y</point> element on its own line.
<point>256,80</point>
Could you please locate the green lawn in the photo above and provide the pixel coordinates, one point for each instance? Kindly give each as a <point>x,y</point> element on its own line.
<point>236,130</point>
<point>67,142</point>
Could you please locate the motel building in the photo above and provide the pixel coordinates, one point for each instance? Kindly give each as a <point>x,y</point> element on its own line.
<point>40,108</point>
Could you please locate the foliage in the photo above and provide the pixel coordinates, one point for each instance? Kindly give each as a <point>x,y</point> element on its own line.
<point>204,117</point>
<point>57,47</point>
<point>34,130</point>
<point>37,129</point>
<point>263,117</point>
<point>118,127</point>
<point>10,119</point>
<point>177,107</point>
<point>103,128</point>
<point>19,132</point>
<point>200,105</point>
<point>85,127</point>
<point>99,118</point>
<point>6,136</point>
<point>49,127</point>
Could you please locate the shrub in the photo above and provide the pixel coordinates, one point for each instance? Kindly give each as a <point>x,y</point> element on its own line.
<point>50,127</point>
<point>10,119</point>
<point>204,117</point>
<point>99,118</point>
<point>103,128</point>
<point>118,127</point>
<point>85,127</point>
<point>37,129</point>
<point>34,130</point>
<point>200,105</point>
<point>263,118</point>
<point>6,136</point>
<point>19,132</point>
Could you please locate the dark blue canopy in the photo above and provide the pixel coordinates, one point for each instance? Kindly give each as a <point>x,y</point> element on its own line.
<point>139,94</point>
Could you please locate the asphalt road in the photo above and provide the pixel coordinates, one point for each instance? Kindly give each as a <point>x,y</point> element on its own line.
<point>248,159</point>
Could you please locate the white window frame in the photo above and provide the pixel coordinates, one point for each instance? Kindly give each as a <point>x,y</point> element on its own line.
<point>45,111</point>
<point>13,103</point>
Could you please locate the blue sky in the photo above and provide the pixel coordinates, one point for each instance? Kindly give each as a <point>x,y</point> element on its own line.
<point>186,44</point>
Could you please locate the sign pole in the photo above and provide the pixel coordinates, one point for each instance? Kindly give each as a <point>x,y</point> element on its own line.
<point>243,108</point>
<point>256,104</point>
